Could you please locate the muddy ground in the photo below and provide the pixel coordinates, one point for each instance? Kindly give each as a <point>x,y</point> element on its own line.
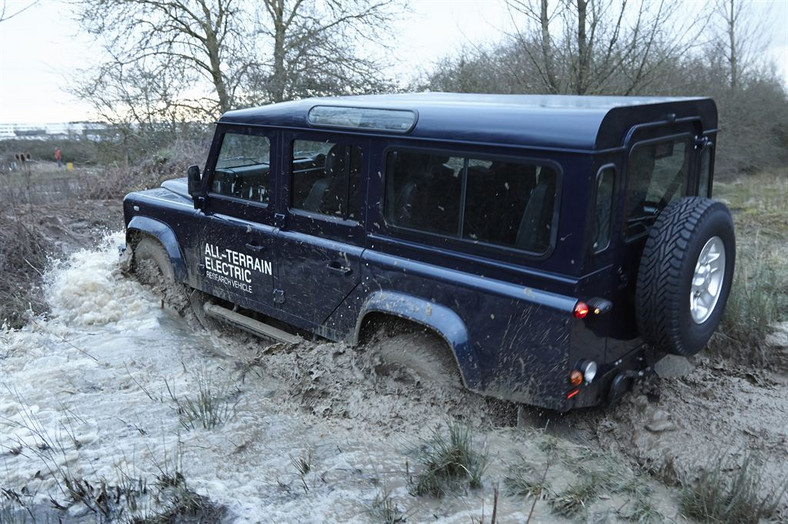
<point>706,409</point>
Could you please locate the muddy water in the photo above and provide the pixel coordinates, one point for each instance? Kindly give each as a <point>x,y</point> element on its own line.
<point>94,391</point>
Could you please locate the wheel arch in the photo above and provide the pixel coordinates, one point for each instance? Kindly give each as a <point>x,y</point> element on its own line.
<point>444,322</point>
<point>140,226</point>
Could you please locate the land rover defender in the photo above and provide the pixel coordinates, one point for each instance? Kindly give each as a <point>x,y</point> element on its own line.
<point>556,245</point>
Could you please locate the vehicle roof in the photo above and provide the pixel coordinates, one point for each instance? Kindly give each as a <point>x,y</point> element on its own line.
<point>549,121</point>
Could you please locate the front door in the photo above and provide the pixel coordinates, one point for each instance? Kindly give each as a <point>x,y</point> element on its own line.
<point>320,244</point>
<point>236,232</point>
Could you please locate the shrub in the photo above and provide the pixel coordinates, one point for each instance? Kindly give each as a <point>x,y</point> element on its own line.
<point>22,261</point>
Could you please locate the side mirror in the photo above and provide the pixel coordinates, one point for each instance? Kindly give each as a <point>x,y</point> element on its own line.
<point>194,182</point>
<point>193,175</point>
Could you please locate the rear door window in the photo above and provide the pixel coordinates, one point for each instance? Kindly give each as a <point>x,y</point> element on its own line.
<point>326,178</point>
<point>657,175</point>
<point>505,203</point>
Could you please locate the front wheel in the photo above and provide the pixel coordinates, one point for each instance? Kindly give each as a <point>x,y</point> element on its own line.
<point>685,275</point>
<point>151,264</point>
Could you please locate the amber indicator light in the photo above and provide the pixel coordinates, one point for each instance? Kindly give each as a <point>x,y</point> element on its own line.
<point>575,378</point>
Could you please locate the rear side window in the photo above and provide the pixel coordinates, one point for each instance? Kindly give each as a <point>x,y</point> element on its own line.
<point>495,202</point>
<point>326,178</point>
<point>657,175</point>
<point>242,167</point>
<point>603,209</point>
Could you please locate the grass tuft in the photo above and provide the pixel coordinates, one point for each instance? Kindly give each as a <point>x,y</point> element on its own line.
<point>524,481</point>
<point>449,462</point>
<point>575,499</point>
<point>212,406</point>
<point>303,465</point>
<point>731,492</point>
<point>385,510</point>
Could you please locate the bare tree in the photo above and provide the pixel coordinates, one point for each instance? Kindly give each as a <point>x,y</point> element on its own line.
<point>317,47</point>
<point>596,46</point>
<point>219,54</point>
<point>738,38</point>
<point>205,38</point>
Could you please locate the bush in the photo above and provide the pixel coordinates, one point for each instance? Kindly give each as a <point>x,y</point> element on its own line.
<point>22,261</point>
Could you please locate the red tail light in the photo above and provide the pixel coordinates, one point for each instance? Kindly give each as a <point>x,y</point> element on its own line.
<point>581,310</point>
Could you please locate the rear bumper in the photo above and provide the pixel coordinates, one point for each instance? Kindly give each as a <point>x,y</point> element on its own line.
<point>612,381</point>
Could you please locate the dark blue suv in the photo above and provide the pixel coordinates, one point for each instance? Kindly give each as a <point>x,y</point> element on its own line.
<point>556,245</point>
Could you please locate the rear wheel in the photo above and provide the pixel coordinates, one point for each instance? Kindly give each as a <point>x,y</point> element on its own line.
<point>411,350</point>
<point>685,275</point>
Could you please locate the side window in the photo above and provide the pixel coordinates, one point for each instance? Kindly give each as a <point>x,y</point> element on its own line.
<point>242,167</point>
<point>424,191</point>
<point>657,175</point>
<point>490,201</point>
<point>326,178</point>
<point>705,172</point>
<point>603,209</point>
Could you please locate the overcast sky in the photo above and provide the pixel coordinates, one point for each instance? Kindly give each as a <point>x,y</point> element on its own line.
<point>42,49</point>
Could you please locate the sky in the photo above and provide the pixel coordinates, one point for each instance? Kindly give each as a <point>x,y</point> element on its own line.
<point>44,50</point>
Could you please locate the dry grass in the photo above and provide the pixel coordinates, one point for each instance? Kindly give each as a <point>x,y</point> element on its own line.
<point>449,462</point>
<point>759,296</point>
<point>726,491</point>
<point>23,259</point>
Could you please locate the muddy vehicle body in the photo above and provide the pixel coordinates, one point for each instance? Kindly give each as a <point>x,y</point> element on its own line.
<point>557,245</point>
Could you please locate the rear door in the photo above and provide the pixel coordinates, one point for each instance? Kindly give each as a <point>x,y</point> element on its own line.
<point>659,170</point>
<point>236,232</point>
<point>320,244</point>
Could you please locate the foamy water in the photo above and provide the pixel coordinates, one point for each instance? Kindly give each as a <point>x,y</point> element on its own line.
<point>88,393</point>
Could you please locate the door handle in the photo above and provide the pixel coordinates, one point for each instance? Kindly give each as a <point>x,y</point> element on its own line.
<point>339,268</point>
<point>254,247</point>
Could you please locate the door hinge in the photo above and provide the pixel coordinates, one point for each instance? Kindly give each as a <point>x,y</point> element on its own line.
<point>279,296</point>
<point>279,220</point>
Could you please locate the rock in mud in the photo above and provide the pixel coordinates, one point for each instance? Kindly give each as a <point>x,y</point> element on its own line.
<point>660,421</point>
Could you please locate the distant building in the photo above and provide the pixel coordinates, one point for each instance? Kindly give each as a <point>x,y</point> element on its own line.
<point>55,131</point>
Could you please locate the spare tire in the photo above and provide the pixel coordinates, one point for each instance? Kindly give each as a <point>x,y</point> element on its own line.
<point>685,275</point>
